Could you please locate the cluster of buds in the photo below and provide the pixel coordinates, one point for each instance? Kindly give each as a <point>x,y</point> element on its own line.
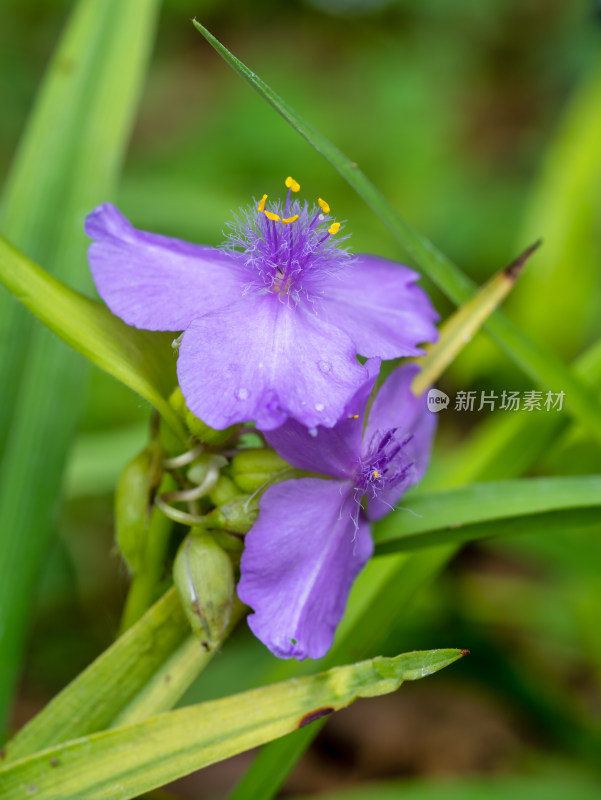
<point>213,489</point>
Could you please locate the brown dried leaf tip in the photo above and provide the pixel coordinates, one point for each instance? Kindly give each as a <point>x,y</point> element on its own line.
<point>513,270</point>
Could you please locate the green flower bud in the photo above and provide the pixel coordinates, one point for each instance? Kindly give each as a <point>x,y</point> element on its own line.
<point>133,504</point>
<point>204,576</point>
<point>239,515</point>
<point>251,469</point>
<point>224,491</point>
<point>196,426</point>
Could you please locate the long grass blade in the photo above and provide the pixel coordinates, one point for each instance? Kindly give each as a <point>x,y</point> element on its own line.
<point>68,161</point>
<point>541,366</point>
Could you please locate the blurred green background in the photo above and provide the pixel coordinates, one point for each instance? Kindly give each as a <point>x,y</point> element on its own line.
<point>480,120</point>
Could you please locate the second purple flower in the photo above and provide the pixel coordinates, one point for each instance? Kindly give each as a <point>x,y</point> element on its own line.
<point>312,536</point>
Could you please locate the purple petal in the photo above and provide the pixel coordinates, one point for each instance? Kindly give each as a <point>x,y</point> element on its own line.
<point>265,360</point>
<point>396,407</point>
<point>331,451</point>
<point>299,562</point>
<point>155,282</point>
<point>378,304</point>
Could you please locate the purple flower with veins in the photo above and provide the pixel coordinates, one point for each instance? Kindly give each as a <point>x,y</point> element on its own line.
<point>272,321</point>
<point>312,536</point>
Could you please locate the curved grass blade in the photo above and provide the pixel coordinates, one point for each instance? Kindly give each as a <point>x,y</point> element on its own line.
<point>142,360</point>
<point>460,327</point>
<point>67,162</point>
<point>459,515</point>
<point>541,366</point>
<point>126,761</point>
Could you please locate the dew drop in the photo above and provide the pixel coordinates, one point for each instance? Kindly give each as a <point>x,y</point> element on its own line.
<point>319,406</point>
<point>242,394</point>
<point>313,432</point>
<point>324,366</point>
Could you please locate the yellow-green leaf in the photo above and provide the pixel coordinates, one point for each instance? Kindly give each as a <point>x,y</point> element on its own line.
<point>126,761</point>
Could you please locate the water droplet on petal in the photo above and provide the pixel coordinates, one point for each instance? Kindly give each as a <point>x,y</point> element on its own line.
<point>324,366</point>
<point>313,432</point>
<point>319,406</point>
<point>242,394</point>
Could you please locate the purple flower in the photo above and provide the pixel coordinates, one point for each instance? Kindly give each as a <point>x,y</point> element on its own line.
<point>312,536</point>
<point>272,321</point>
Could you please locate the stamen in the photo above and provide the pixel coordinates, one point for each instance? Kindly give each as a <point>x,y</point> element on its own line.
<point>353,416</point>
<point>323,205</point>
<point>261,206</point>
<point>288,220</point>
<point>334,228</point>
<point>270,215</point>
<point>293,185</point>
<point>375,474</point>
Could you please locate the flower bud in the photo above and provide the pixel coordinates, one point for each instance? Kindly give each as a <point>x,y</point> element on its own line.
<point>204,576</point>
<point>196,426</point>
<point>251,469</point>
<point>224,491</point>
<point>133,504</point>
<point>239,515</point>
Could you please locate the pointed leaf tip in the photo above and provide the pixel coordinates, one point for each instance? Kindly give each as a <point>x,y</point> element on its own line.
<point>513,270</point>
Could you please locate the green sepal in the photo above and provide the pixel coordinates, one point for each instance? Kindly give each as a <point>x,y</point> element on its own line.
<point>196,426</point>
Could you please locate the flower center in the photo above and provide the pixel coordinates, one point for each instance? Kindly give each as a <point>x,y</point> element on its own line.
<point>289,247</point>
<point>386,464</point>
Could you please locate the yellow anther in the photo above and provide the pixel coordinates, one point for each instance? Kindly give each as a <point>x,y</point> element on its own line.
<point>288,220</point>
<point>334,228</point>
<point>323,205</point>
<point>272,216</point>
<point>261,206</point>
<point>376,474</point>
<point>353,416</point>
<point>292,184</point>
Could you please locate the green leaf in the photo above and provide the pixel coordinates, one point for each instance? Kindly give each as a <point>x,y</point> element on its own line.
<point>460,327</point>
<point>128,760</point>
<point>67,162</point>
<point>142,360</point>
<point>563,210</point>
<point>381,594</point>
<point>145,671</point>
<point>459,515</point>
<point>496,447</point>
<point>540,787</point>
<point>541,366</point>
<point>100,693</point>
